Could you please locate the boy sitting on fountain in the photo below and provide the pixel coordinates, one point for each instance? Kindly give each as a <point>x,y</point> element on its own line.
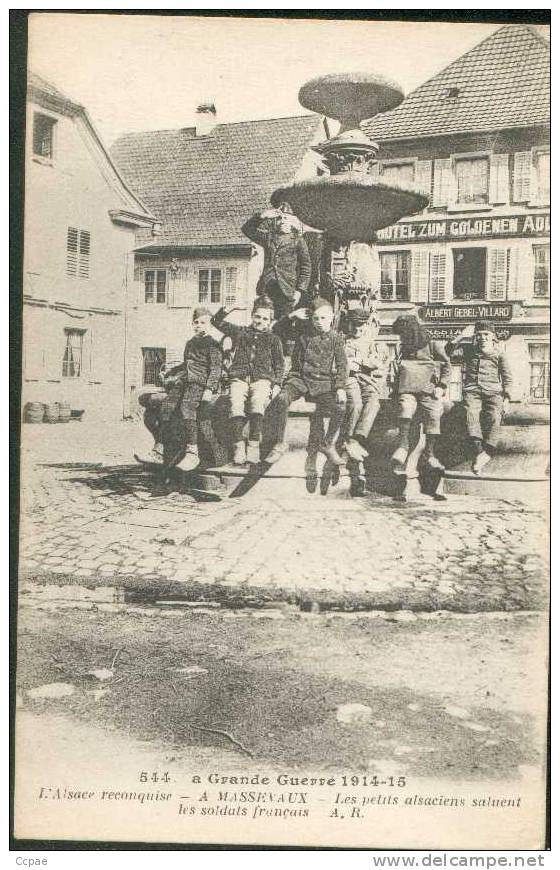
<point>423,372</point>
<point>367,371</point>
<point>319,372</point>
<point>202,368</point>
<point>256,373</point>
<point>487,389</point>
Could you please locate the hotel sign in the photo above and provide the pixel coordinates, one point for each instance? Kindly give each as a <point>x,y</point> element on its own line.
<point>458,229</point>
<point>442,314</point>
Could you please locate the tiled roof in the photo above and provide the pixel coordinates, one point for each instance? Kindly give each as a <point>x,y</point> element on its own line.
<point>204,188</point>
<point>503,82</point>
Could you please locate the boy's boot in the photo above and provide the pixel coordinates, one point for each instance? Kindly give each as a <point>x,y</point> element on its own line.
<point>277,452</point>
<point>400,455</point>
<point>482,457</point>
<point>429,456</point>
<point>190,460</point>
<point>153,456</point>
<point>239,453</point>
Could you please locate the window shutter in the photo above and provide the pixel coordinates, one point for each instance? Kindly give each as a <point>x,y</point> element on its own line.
<point>442,183</point>
<point>522,176</point>
<point>497,274</point>
<point>423,176</point>
<point>438,277</point>
<point>375,170</point>
<point>72,251</point>
<point>499,178</point>
<point>85,241</point>
<point>521,272</point>
<point>419,276</point>
<point>231,286</point>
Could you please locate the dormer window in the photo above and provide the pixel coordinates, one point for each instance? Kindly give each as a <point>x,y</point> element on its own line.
<point>43,136</point>
<point>452,93</point>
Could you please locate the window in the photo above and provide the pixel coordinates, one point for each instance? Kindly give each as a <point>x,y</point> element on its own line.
<point>209,285</point>
<point>398,173</point>
<point>78,246</point>
<point>542,167</point>
<point>539,363</point>
<point>395,276</point>
<point>153,360</point>
<point>472,177</point>
<point>43,135</point>
<point>541,283</point>
<point>73,352</point>
<point>469,273</point>
<point>155,285</point>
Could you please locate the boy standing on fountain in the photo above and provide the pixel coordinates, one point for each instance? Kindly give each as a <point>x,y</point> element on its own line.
<point>487,389</point>
<point>256,372</point>
<point>319,372</point>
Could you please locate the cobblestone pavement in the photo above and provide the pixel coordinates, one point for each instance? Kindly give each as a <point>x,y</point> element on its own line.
<point>90,516</point>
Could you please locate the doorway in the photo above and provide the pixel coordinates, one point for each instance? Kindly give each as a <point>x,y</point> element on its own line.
<point>469,273</point>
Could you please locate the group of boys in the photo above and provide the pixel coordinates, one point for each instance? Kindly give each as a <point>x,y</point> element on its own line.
<point>343,376</point>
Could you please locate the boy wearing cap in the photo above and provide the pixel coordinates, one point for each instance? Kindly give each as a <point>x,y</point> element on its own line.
<point>487,386</point>
<point>319,372</point>
<point>202,366</point>
<point>367,370</point>
<point>256,372</point>
<point>287,265</point>
<point>423,372</point>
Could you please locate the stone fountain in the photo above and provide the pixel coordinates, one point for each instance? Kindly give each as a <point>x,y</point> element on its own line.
<point>350,202</point>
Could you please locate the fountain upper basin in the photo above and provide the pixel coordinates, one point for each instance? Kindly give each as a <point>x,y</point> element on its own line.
<point>350,206</point>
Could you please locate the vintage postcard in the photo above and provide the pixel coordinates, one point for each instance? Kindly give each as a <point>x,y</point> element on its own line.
<point>283,574</point>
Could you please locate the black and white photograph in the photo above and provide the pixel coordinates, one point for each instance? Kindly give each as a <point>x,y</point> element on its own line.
<point>283,573</point>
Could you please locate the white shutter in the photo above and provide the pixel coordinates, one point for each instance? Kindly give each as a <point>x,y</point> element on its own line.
<point>423,176</point>
<point>496,280</point>
<point>442,183</point>
<point>521,272</point>
<point>230,297</point>
<point>499,179</point>
<point>438,277</point>
<point>375,170</point>
<point>522,176</point>
<point>419,275</point>
<point>179,288</point>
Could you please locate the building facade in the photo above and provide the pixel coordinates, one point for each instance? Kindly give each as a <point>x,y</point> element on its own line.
<point>80,225</point>
<point>476,138</point>
<point>202,183</point>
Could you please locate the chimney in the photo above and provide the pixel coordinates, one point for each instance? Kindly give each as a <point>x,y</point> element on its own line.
<point>206,119</point>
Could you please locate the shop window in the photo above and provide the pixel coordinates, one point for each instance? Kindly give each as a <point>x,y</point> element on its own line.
<point>43,136</point>
<point>472,177</point>
<point>155,286</point>
<point>395,276</point>
<point>398,173</point>
<point>469,273</point>
<point>539,381</point>
<point>153,360</point>
<point>73,353</point>
<point>210,285</point>
<point>541,282</point>
<point>78,249</point>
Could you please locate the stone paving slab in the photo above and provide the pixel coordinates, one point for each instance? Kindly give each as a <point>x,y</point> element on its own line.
<point>109,524</point>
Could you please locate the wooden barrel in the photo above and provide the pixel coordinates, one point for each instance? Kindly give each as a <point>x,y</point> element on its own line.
<point>64,412</point>
<point>51,412</point>
<point>34,412</point>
